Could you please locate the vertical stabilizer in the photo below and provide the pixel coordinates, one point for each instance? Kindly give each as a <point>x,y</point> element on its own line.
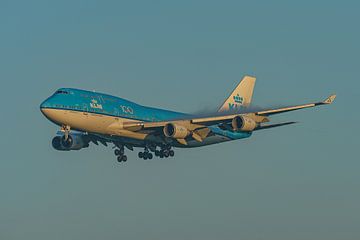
<point>241,96</point>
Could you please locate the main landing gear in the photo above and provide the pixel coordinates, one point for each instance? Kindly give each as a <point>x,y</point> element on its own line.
<point>145,155</point>
<point>120,153</point>
<point>165,152</point>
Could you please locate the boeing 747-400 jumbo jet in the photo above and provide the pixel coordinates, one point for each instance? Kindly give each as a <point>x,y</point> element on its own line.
<point>89,117</point>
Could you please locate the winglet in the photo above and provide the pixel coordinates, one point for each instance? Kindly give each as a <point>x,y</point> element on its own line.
<point>330,99</point>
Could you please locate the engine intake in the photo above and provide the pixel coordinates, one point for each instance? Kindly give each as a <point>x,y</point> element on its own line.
<point>176,131</point>
<point>74,142</point>
<point>243,123</point>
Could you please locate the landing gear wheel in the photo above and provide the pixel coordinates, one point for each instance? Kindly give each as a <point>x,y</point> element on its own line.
<point>122,158</point>
<point>157,153</point>
<point>150,156</point>
<point>171,153</point>
<point>118,152</point>
<point>145,157</point>
<point>140,154</point>
<point>161,155</point>
<point>166,154</point>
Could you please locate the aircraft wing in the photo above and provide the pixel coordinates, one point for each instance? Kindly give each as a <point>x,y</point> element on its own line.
<point>264,113</point>
<point>259,117</point>
<point>329,100</point>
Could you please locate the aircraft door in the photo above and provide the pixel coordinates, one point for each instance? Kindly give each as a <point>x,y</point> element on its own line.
<point>85,109</point>
<point>116,111</point>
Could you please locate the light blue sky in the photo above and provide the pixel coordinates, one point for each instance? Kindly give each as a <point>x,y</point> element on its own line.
<point>295,182</point>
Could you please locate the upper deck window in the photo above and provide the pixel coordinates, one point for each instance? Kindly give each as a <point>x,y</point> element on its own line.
<point>61,92</point>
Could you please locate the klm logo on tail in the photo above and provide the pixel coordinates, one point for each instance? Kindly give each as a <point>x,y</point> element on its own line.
<point>238,102</point>
<point>238,99</point>
<point>240,96</point>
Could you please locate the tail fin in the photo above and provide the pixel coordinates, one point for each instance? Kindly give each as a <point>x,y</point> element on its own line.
<point>241,96</point>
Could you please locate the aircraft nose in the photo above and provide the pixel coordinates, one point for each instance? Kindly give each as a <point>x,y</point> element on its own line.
<point>45,104</point>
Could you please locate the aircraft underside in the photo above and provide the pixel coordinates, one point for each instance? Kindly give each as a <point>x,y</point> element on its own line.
<point>80,129</point>
<point>79,139</point>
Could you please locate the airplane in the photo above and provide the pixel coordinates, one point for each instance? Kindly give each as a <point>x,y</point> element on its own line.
<point>88,117</point>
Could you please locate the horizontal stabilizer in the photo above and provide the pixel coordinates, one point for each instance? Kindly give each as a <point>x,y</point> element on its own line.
<point>273,125</point>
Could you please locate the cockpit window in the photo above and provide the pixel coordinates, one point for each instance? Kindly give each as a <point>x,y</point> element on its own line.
<point>61,92</point>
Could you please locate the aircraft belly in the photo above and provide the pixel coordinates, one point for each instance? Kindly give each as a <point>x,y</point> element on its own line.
<point>113,127</point>
<point>92,122</point>
<point>84,121</point>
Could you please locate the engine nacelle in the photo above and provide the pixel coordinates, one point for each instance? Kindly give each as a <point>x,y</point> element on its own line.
<point>243,123</point>
<point>176,131</point>
<point>74,142</point>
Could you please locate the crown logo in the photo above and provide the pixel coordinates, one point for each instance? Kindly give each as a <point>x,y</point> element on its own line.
<point>238,99</point>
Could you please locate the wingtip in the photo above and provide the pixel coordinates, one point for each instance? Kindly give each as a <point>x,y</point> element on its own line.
<point>330,99</point>
<point>249,77</point>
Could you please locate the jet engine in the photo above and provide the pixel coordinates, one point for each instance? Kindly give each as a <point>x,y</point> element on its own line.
<point>175,131</point>
<point>243,123</point>
<point>73,142</point>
